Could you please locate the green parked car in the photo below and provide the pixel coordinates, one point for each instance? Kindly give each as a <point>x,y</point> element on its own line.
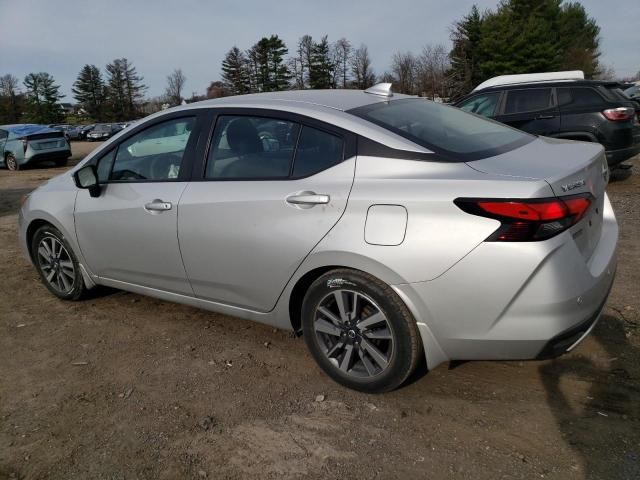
<point>26,144</point>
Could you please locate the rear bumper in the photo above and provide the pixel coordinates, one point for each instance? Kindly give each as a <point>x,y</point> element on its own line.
<point>48,156</point>
<point>516,301</point>
<point>615,157</point>
<point>570,338</point>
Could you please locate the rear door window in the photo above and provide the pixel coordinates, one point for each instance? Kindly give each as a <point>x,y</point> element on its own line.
<point>251,147</point>
<point>578,97</point>
<point>317,150</point>
<point>528,100</point>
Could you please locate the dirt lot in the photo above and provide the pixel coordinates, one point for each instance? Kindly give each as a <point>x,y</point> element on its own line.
<point>122,386</point>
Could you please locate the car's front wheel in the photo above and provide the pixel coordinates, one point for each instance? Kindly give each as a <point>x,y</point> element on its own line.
<point>56,263</point>
<point>360,332</point>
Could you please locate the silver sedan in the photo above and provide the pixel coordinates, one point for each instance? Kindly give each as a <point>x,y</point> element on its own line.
<point>385,229</point>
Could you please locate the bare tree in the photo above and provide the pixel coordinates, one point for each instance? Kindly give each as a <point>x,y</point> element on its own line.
<point>363,76</point>
<point>300,64</point>
<point>432,68</point>
<point>9,99</point>
<point>341,56</point>
<point>606,72</point>
<point>404,67</point>
<point>175,85</point>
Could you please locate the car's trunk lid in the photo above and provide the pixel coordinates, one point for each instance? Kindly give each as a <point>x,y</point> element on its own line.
<point>569,168</point>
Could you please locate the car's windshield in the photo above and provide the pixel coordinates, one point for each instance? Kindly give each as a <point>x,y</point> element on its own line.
<point>443,129</point>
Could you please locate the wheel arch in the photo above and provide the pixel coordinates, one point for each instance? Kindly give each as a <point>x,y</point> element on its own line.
<point>320,263</point>
<point>580,136</point>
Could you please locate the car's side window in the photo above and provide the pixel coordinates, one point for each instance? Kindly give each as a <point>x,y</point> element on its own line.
<point>482,104</point>
<point>3,135</point>
<point>154,154</point>
<point>317,150</point>
<point>529,100</point>
<point>251,147</point>
<point>578,97</point>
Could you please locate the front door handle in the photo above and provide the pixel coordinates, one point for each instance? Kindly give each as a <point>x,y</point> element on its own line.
<point>157,206</point>
<point>545,117</point>
<point>308,198</point>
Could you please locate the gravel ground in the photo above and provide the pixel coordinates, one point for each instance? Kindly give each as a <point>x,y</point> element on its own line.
<point>121,386</point>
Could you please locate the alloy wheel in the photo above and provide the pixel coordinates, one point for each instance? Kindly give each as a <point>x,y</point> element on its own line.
<point>11,162</point>
<point>56,264</point>
<point>354,333</point>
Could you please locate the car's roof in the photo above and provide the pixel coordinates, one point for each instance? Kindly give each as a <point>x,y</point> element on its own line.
<point>330,106</point>
<point>26,128</point>
<point>546,83</point>
<point>338,99</point>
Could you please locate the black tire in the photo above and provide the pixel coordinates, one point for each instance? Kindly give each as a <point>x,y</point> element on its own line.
<point>403,346</point>
<point>61,163</point>
<point>11,163</point>
<point>65,276</point>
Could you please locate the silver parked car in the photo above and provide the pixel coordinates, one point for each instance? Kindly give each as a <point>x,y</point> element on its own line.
<point>382,227</point>
<point>27,144</point>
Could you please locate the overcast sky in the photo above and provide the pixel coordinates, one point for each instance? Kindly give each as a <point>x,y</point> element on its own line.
<point>59,37</point>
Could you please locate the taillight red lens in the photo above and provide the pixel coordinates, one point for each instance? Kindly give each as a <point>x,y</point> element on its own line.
<point>528,220</point>
<point>620,114</point>
<point>25,144</point>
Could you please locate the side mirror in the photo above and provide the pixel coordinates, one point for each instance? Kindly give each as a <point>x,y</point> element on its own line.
<point>87,177</point>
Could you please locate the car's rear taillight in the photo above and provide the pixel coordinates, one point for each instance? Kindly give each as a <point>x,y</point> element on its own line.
<point>25,144</point>
<point>528,220</point>
<point>620,114</point>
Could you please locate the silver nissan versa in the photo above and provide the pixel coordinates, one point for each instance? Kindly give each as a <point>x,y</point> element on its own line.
<point>383,228</point>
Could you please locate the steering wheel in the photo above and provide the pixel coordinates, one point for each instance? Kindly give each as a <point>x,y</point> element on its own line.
<point>161,166</point>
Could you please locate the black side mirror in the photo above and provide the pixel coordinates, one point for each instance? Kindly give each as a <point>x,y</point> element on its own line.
<point>87,177</point>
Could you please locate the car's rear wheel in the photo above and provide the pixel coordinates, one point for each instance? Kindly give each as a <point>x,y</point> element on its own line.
<point>360,332</point>
<point>61,163</point>
<point>11,162</point>
<point>56,263</point>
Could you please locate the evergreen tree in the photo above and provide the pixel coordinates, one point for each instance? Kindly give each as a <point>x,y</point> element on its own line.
<point>466,55</point>
<point>89,91</point>
<point>42,97</point>
<point>579,40</point>
<point>235,72</point>
<point>523,36</point>
<point>321,67</point>
<point>125,89</point>
<point>268,71</point>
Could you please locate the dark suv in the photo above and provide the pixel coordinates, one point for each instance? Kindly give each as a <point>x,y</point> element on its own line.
<point>584,110</point>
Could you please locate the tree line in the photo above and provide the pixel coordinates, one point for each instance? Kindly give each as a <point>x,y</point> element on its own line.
<point>518,36</point>
<point>114,97</point>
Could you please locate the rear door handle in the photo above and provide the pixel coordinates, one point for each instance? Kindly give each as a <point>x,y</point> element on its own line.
<point>545,117</point>
<point>308,198</point>
<point>157,206</point>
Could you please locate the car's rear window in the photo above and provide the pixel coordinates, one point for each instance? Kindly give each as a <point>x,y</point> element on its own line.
<point>446,130</point>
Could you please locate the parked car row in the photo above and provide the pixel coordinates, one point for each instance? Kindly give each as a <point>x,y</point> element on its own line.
<point>27,144</point>
<point>562,105</point>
